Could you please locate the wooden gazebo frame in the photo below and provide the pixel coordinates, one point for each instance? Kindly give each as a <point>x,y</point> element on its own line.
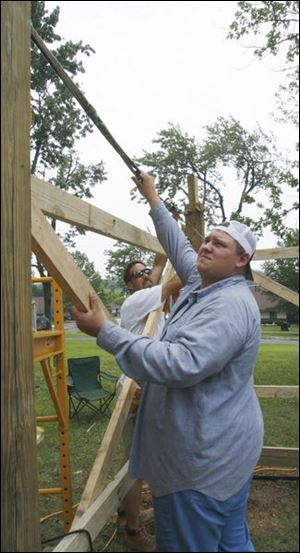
<point>24,203</point>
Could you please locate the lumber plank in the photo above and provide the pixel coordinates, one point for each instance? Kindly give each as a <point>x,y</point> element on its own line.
<point>277,391</point>
<point>95,518</point>
<point>65,207</point>
<point>276,253</point>
<point>57,260</point>
<point>97,476</point>
<point>282,457</point>
<point>278,289</point>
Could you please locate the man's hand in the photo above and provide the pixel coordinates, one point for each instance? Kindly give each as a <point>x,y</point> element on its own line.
<point>92,321</point>
<point>147,189</point>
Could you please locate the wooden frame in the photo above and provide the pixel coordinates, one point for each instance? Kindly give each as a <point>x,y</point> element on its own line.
<point>80,213</point>
<point>91,504</point>
<point>20,521</point>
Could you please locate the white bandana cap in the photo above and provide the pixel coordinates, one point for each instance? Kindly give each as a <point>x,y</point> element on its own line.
<point>244,236</point>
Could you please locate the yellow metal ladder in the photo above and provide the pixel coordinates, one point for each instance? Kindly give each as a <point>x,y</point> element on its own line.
<point>46,345</point>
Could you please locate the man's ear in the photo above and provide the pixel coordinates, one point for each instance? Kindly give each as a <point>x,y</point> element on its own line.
<point>243,260</point>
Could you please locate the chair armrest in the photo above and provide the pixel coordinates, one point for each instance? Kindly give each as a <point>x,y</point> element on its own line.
<point>109,377</point>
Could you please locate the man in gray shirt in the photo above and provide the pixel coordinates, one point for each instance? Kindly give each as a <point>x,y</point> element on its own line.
<point>200,429</point>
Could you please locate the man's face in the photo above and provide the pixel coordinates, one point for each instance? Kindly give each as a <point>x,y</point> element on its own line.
<point>139,282</point>
<point>218,258</point>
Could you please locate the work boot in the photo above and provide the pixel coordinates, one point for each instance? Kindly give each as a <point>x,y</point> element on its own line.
<point>139,540</point>
<point>146,516</point>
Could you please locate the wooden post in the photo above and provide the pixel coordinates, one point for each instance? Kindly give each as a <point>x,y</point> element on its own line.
<point>19,500</point>
<point>194,215</point>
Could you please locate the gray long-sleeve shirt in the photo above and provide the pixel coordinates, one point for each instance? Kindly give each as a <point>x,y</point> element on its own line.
<point>199,424</point>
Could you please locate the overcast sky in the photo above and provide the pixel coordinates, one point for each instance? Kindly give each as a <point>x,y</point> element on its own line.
<point>161,62</point>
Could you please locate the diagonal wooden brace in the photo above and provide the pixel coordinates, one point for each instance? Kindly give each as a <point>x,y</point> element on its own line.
<point>50,251</point>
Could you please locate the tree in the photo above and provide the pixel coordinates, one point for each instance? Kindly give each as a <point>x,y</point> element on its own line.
<point>109,290</point>
<point>57,122</point>
<point>276,22</point>
<point>277,25</point>
<point>250,159</point>
<point>286,272</point>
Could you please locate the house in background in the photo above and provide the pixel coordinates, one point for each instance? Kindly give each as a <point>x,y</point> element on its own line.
<point>39,321</point>
<point>268,306</point>
<point>40,305</point>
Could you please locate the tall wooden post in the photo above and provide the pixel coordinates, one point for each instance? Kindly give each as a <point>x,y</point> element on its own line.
<point>19,502</point>
<point>194,215</point>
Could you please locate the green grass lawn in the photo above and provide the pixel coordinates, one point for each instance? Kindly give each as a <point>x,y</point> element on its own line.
<point>276,364</point>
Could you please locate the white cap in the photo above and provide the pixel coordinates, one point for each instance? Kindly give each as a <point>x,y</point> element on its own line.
<point>243,235</point>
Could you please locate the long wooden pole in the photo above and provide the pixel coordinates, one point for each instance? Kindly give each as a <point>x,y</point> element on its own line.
<point>194,215</point>
<point>81,99</point>
<point>19,500</point>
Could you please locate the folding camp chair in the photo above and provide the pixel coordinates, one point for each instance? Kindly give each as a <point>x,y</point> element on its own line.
<point>85,386</point>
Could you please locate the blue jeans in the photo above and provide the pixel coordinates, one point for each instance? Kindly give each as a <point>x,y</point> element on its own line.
<point>192,521</point>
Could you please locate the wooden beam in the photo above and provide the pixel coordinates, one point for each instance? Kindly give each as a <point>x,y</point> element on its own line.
<point>65,207</point>
<point>193,192</point>
<point>60,264</point>
<point>276,253</point>
<point>116,424</point>
<point>277,391</point>
<point>19,480</point>
<point>96,516</point>
<point>283,457</point>
<point>110,440</point>
<point>194,216</point>
<point>278,289</point>
<point>76,92</point>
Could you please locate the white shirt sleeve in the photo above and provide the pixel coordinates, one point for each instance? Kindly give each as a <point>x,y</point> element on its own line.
<point>137,307</point>
<point>121,383</point>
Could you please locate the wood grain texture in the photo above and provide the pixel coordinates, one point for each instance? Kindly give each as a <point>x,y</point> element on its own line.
<point>57,260</point>
<point>278,289</point>
<point>19,513</point>
<point>66,207</point>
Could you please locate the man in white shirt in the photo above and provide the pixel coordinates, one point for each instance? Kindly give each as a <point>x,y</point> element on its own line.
<point>143,298</point>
